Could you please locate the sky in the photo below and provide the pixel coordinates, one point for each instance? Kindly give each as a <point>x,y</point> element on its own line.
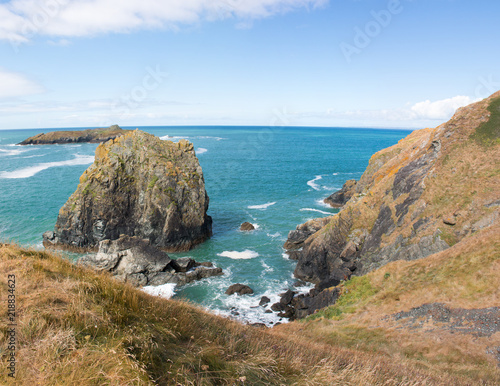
<point>336,63</point>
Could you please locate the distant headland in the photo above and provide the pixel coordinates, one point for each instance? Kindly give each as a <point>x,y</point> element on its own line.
<point>62,137</point>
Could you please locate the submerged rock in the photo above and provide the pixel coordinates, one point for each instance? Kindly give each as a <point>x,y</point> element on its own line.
<point>139,186</point>
<point>135,260</point>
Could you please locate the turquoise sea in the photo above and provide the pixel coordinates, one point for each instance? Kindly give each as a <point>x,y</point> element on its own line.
<point>273,177</point>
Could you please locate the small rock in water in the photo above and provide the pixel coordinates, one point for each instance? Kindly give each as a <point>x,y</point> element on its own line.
<point>264,300</point>
<point>246,226</point>
<point>240,289</point>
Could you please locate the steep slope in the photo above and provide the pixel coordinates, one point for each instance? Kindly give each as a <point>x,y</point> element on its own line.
<point>139,186</point>
<point>432,190</point>
<point>74,326</point>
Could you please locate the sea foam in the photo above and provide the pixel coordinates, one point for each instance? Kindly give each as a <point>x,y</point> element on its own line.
<point>164,290</point>
<point>312,183</point>
<point>30,171</point>
<point>201,150</point>
<point>235,255</point>
<point>262,206</point>
<point>315,210</point>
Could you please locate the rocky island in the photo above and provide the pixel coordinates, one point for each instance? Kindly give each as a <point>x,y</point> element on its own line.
<point>63,137</point>
<point>431,191</point>
<point>138,185</point>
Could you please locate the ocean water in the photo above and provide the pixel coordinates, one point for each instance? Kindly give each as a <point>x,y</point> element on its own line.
<point>273,177</point>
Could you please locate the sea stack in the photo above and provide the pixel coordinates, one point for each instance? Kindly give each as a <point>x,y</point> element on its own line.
<point>138,185</point>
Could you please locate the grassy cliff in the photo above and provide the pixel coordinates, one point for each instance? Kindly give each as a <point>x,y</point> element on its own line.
<point>75,326</point>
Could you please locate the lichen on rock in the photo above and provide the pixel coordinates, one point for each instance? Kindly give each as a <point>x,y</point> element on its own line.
<point>138,185</point>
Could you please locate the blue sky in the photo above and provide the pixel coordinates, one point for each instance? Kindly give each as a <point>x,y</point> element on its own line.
<point>359,63</point>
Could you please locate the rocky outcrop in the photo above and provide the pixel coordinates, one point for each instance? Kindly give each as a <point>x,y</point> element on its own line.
<point>419,197</point>
<point>139,186</point>
<point>297,237</point>
<point>340,198</point>
<point>240,289</point>
<point>246,226</point>
<point>63,137</point>
<point>136,261</point>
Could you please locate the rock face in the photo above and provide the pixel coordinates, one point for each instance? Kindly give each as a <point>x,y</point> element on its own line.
<point>139,186</point>
<point>340,198</point>
<point>62,137</point>
<point>135,260</point>
<point>416,198</point>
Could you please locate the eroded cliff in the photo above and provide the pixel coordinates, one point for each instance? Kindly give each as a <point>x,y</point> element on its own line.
<point>432,190</point>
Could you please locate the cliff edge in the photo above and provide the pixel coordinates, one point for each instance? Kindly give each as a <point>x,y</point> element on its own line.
<point>139,186</point>
<point>431,191</point>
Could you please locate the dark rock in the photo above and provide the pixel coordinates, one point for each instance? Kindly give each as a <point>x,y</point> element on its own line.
<point>294,255</point>
<point>299,283</point>
<point>268,312</point>
<point>288,312</point>
<point>287,297</point>
<point>139,186</point>
<point>246,226</point>
<point>183,264</point>
<point>340,198</point>
<point>240,289</point>
<point>384,225</point>
<point>264,300</point>
<point>135,260</point>
<point>278,307</point>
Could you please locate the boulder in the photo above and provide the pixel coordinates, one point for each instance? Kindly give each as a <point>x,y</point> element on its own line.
<point>287,297</point>
<point>136,261</point>
<point>240,289</point>
<point>246,226</point>
<point>264,300</point>
<point>139,186</point>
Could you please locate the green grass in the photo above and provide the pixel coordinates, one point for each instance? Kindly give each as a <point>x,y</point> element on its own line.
<point>488,133</point>
<point>355,293</point>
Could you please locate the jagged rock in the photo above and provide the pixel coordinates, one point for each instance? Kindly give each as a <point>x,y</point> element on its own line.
<point>264,300</point>
<point>240,289</point>
<point>136,261</point>
<point>246,226</point>
<point>287,297</point>
<point>140,186</point>
<point>304,305</point>
<point>278,307</point>
<point>349,251</point>
<point>340,198</point>
<point>62,137</point>
<point>184,264</point>
<point>297,237</point>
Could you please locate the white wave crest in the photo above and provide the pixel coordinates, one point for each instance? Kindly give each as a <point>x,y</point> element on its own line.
<point>312,183</point>
<point>262,206</point>
<point>13,151</point>
<point>32,170</point>
<point>235,255</point>
<point>169,138</point>
<point>164,290</point>
<point>201,150</point>
<point>274,235</point>
<point>315,210</point>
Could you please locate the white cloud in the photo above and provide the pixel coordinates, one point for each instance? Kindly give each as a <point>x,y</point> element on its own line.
<point>15,85</point>
<point>442,109</point>
<point>23,19</point>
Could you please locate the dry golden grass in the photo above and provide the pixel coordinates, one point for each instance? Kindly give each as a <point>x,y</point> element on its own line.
<point>75,326</point>
<point>464,276</point>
